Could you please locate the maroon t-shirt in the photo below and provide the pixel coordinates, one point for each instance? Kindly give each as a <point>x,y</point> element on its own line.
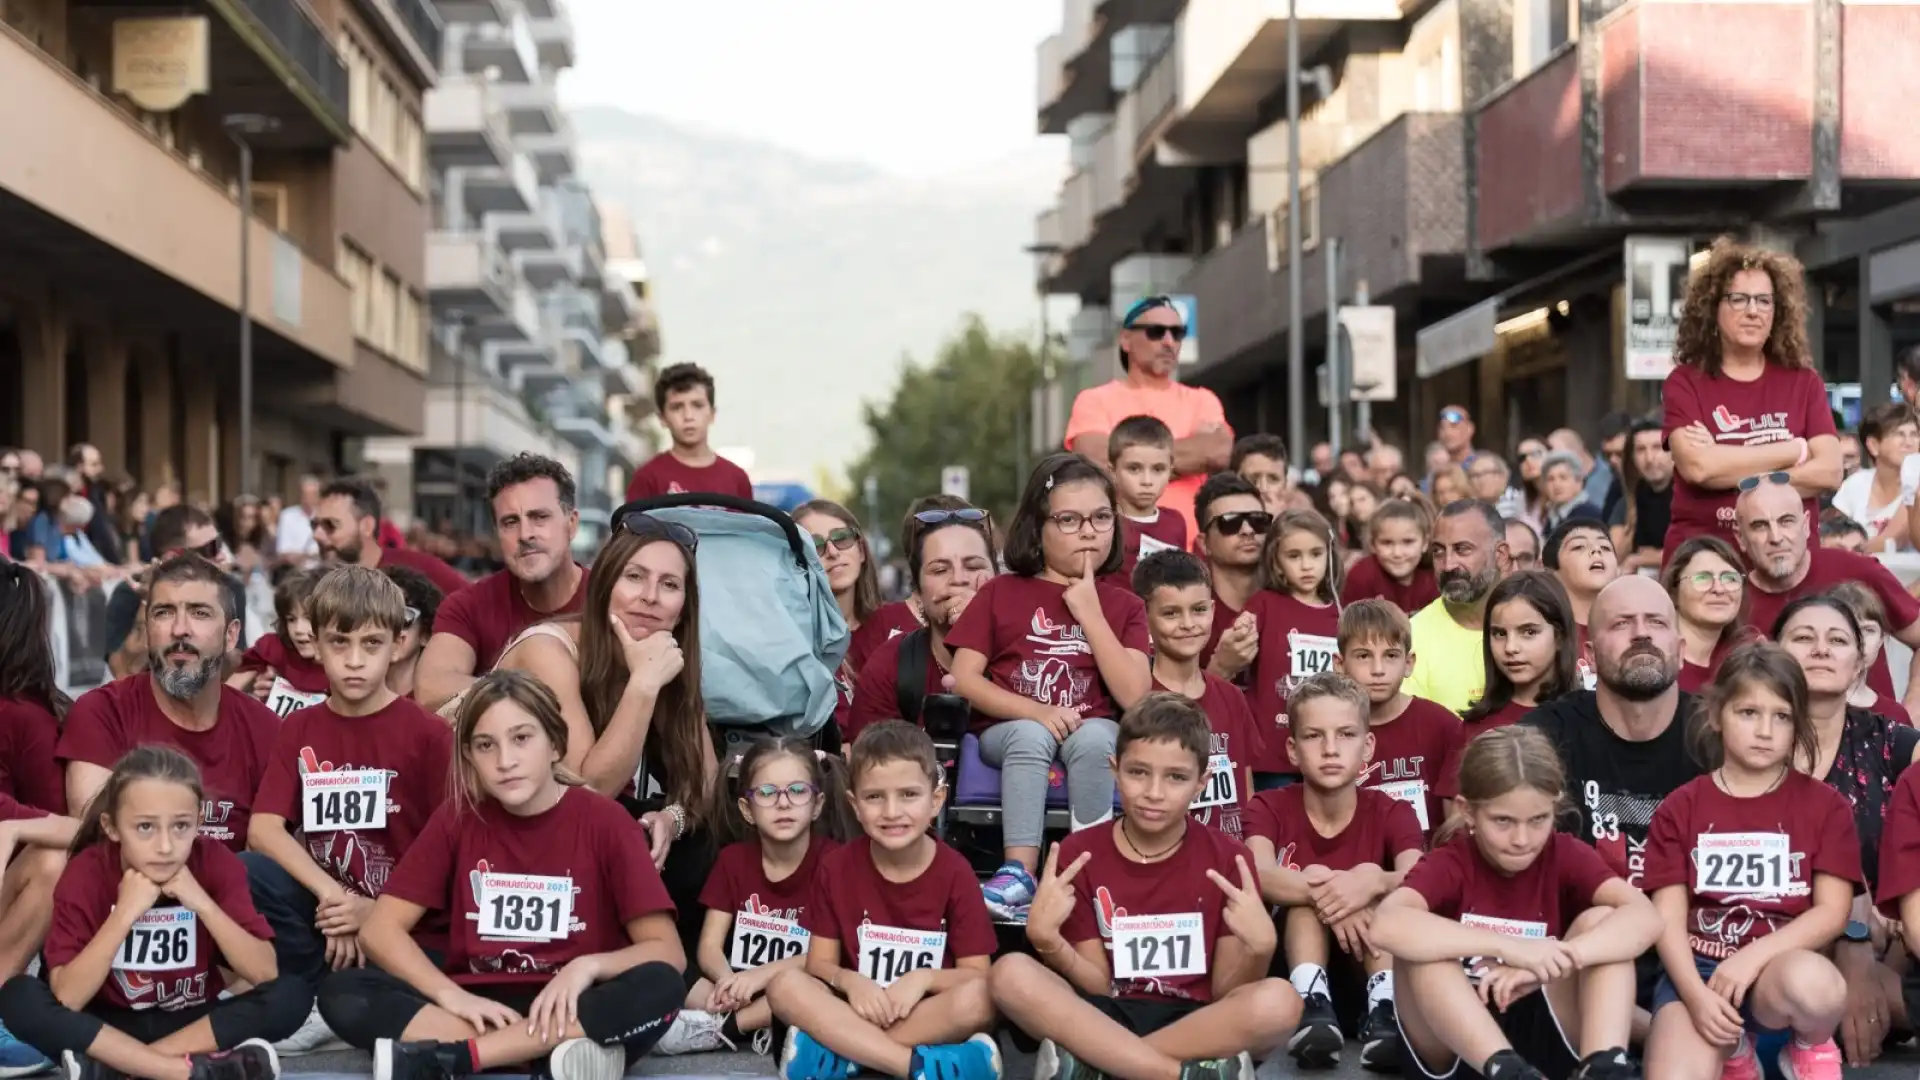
<point>849,892</point>
<point>1748,863</point>
<point>1890,707</point>
<point>738,882</point>
<point>876,696</point>
<point>1458,883</point>
<point>445,577</point>
<point>411,745</point>
<point>1113,886</point>
<point>85,897</point>
<point>1410,755</point>
<point>1782,404</point>
<point>586,837</point>
<point>1166,532</point>
<point>1368,580</point>
<point>1036,649</point>
<point>664,474</point>
<point>1447,784</point>
<point>885,624</point>
<point>233,754</point>
<point>1223,617</point>
<point>272,654</point>
<point>1827,567</point>
<point>1296,640</point>
<point>488,613</point>
<point>28,732</point>
<point>1381,829</point>
<point>1900,845</point>
<point>1233,736</point>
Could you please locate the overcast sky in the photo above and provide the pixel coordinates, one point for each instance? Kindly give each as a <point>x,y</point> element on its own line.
<point>917,88</point>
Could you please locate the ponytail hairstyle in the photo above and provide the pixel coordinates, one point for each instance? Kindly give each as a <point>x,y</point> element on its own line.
<point>1502,761</point>
<point>148,761</point>
<point>1542,591</point>
<point>530,696</point>
<point>1311,523</point>
<point>826,772</point>
<point>1770,667</point>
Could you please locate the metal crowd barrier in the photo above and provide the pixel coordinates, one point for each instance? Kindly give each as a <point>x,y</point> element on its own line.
<point>77,623</point>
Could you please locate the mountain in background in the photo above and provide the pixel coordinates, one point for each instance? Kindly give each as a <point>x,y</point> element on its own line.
<point>802,283</point>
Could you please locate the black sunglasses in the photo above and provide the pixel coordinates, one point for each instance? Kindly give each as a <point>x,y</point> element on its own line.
<point>941,517</point>
<point>841,539</point>
<point>1752,482</point>
<point>1233,523</point>
<point>641,523</point>
<point>1156,332</point>
<point>210,550</point>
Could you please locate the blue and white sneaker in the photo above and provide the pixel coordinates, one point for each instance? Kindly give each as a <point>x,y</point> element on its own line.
<point>1009,892</point>
<point>805,1059</point>
<point>19,1059</point>
<point>976,1059</point>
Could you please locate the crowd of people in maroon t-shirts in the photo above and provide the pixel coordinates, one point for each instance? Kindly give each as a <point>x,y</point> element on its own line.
<point>1535,780</point>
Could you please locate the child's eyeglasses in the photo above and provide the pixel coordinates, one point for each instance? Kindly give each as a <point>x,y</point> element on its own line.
<point>798,793</point>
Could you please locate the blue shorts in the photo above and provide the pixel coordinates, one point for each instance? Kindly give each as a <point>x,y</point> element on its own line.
<point>1665,992</point>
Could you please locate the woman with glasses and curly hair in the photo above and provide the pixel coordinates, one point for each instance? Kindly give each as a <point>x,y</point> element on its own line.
<point>1744,397</point>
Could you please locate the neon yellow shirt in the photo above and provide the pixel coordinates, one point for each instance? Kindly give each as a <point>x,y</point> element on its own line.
<point>1449,665</point>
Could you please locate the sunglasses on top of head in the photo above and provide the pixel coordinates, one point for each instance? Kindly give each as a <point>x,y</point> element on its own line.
<point>640,523</point>
<point>940,517</point>
<point>210,550</point>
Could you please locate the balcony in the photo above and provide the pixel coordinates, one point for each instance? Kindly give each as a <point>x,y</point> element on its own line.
<point>1081,80</point>
<point>619,375</point>
<point>1050,79</point>
<point>553,40</point>
<point>475,191</point>
<point>473,11</point>
<point>536,230</point>
<point>546,268</point>
<point>465,126</point>
<point>488,416</point>
<point>412,30</point>
<point>585,432</point>
<point>65,214</point>
<point>1323,140</point>
<point>506,48</point>
<point>533,108</point>
<point>543,9</point>
<point>619,304</point>
<point>552,154</point>
<point>517,354</point>
<point>466,273</point>
<point>518,325</point>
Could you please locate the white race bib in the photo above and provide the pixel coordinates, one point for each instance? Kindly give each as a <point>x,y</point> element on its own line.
<point>1149,546</point>
<point>163,939</point>
<point>1520,928</point>
<point>1222,787</point>
<point>1310,654</point>
<point>1158,946</point>
<point>332,801</point>
<point>1752,863</point>
<point>764,939</point>
<point>888,953</point>
<point>283,699</point>
<point>525,907</point>
<point>1411,792</point>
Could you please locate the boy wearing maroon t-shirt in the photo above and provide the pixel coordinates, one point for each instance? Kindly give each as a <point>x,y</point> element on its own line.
<point>683,395</point>
<point>1140,452</point>
<point>350,784</point>
<point>1152,942</point>
<point>1173,584</point>
<point>1328,850</point>
<point>895,978</point>
<point>1411,735</point>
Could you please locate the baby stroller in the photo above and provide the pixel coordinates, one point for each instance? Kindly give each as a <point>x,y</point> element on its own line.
<point>771,633</point>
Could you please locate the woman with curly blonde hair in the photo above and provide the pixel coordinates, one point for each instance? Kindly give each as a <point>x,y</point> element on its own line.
<point>1744,400</point>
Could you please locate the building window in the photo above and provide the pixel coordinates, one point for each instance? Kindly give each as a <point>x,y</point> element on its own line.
<point>412,350</point>
<point>358,270</point>
<point>386,312</point>
<point>360,79</point>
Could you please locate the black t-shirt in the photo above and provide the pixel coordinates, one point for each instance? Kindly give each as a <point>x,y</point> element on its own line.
<point>1653,512</point>
<point>1616,783</point>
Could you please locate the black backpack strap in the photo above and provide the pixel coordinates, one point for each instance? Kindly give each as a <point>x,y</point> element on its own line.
<point>910,676</point>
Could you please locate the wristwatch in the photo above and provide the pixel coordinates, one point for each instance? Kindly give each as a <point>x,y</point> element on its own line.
<point>1857,931</point>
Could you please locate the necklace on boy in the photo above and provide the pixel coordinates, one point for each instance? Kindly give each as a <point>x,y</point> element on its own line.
<point>1127,835</point>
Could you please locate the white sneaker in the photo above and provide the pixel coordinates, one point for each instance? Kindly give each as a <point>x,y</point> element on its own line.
<point>694,1032</point>
<point>584,1059</point>
<point>313,1037</point>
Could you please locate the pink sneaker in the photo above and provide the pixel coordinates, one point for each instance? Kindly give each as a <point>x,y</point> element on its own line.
<point>1801,1062</point>
<point>1744,1064</point>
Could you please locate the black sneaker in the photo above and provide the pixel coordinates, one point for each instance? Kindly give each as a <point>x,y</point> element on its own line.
<point>1507,1065</point>
<point>425,1060</point>
<point>1380,1043</point>
<point>81,1067</point>
<point>1613,1064</point>
<point>1233,1068</point>
<point>251,1060</point>
<point>1317,1042</point>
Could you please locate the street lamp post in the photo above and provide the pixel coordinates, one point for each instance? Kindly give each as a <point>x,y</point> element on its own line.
<point>243,127</point>
<point>1296,347</point>
<point>1046,373</point>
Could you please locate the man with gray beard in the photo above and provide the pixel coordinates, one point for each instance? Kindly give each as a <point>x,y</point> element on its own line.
<point>181,701</point>
<point>1469,550</point>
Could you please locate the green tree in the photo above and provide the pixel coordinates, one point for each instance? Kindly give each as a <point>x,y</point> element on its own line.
<point>970,407</point>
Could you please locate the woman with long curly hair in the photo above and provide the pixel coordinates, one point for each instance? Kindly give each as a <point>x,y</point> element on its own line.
<point>1744,398</point>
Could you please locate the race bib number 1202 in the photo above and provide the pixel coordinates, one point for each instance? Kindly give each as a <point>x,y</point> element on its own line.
<point>525,907</point>
<point>764,939</point>
<point>1158,946</point>
<point>888,953</point>
<point>163,939</point>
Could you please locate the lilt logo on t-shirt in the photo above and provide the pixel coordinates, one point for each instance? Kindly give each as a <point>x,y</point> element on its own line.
<point>1048,678</point>
<point>674,488</point>
<point>1754,430</point>
<point>753,905</point>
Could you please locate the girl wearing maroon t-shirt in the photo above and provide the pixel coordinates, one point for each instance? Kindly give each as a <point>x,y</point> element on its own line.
<point>1872,616</point>
<point>1528,651</point>
<point>147,916</point>
<point>282,668</point>
<point>791,808</point>
<point>1744,397</point>
<point>851,574</point>
<point>1709,589</point>
<point>896,962</point>
<point>1502,907</point>
<point>1299,614</point>
<point>1411,735</point>
<point>1048,657</point>
<point>563,946</point>
<point>1328,850</point>
<point>1150,940</point>
<point>1753,867</point>
<point>1396,566</point>
<point>32,703</point>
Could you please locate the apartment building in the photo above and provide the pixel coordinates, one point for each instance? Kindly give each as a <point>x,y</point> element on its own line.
<point>527,349</point>
<point>120,278</point>
<point>1486,168</point>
